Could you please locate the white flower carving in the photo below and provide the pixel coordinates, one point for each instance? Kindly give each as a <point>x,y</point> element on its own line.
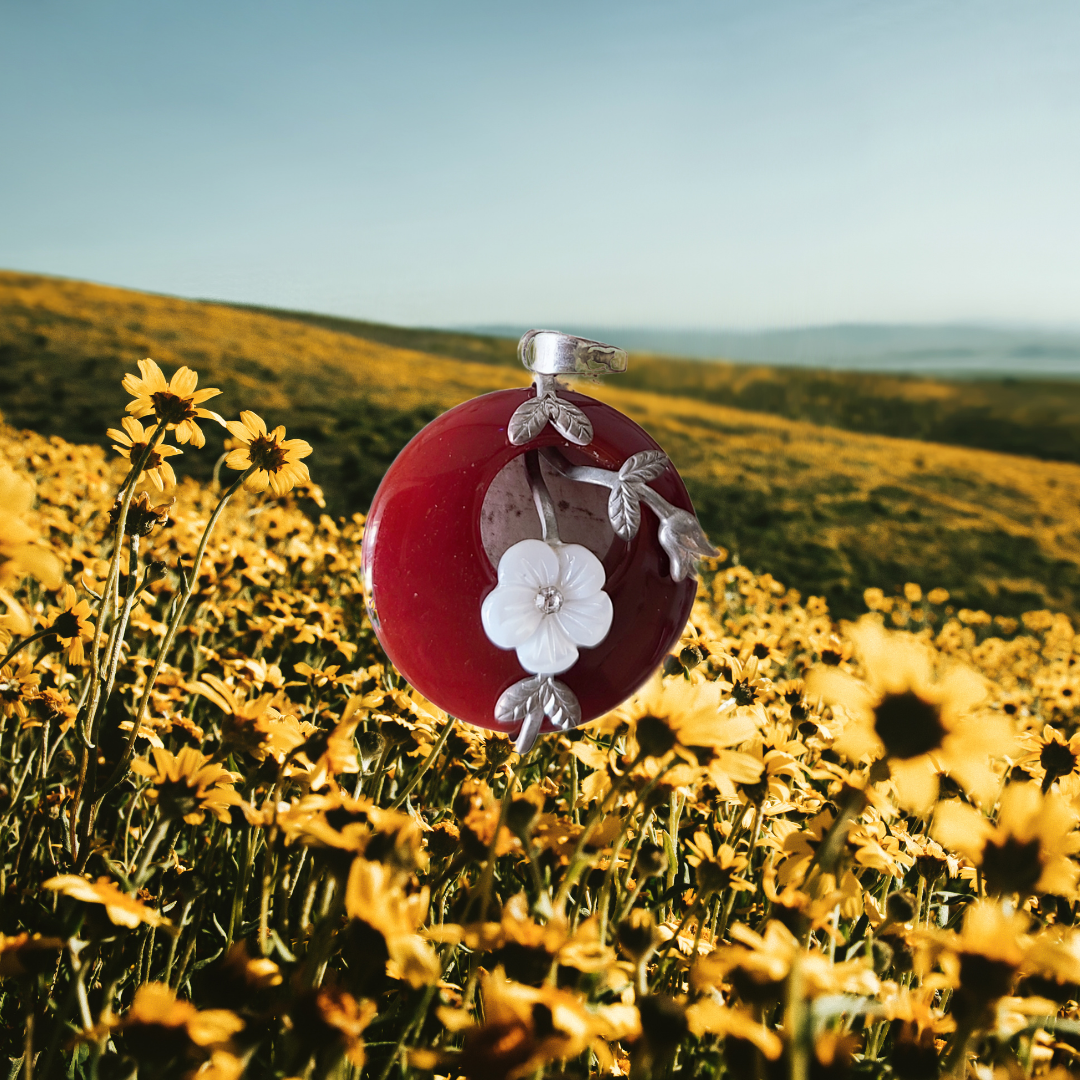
<point>549,601</point>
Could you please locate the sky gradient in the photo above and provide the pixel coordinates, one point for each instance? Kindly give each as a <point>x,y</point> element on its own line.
<point>691,165</point>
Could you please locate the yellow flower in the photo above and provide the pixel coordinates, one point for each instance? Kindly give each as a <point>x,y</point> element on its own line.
<point>123,910</point>
<point>133,440</point>
<point>188,785</point>
<point>920,723</point>
<point>717,870</point>
<point>18,687</point>
<point>332,1020</point>
<point>20,550</point>
<point>159,1028</point>
<point>525,1027</point>
<point>26,954</point>
<point>276,459</point>
<point>174,404</point>
<point>1030,848</point>
<point>71,625</point>
<point>693,719</point>
<point>374,897</point>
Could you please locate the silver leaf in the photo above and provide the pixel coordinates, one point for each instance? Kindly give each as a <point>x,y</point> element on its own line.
<point>643,467</point>
<point>684,541</point>
<point>560,704</point>
<point>529,419</point>
<point>624,511</point>
<point>569,421</point>
<point>519,701</point>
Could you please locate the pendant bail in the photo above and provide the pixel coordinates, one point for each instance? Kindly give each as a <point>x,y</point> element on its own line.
<point>549,352</point>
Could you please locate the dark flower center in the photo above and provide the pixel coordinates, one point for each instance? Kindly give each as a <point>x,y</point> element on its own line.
<point>171,409</point>
<point>908,725</point>
<point>712,877</point>
<point>831,657</point>
<point>1011,866</point>
<point>743,693</point>
<point>66,625</point>
<point>266,453</point>
<point>761,650</point>
<point>654,736</point>
<point>1058,760</point>
<point>985,978</point>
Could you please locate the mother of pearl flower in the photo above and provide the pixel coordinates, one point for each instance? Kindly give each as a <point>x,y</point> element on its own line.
<point>549,601</point>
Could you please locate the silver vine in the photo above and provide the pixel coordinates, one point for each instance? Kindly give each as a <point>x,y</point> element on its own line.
<point>680,534</point>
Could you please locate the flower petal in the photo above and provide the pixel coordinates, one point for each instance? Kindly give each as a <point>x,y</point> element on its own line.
<point>548,651</point>
<point>581,573</point>
<point>530,562</point>
<point>510,615</point>
<point>586,621</point>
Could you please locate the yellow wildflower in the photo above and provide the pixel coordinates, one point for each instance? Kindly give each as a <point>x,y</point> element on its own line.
<point>276,459</point>
<point>189,785</point>
<point>123,910</point>
<point>133,440</point>
<point>175,403</point>
<point>71,625</point>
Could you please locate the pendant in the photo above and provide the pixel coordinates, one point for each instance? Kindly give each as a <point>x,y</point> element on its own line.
<point>529,558</point>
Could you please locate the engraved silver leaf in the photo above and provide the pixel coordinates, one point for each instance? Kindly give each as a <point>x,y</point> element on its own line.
<point>624,510</point>
<point>528,420</point>
<point>643,467</point>
<point>520,701</point>
<point>528,701</point>
<point>569,421</point>
<point>560,704</point>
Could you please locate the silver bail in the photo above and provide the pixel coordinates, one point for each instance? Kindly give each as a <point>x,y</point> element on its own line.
<point>549,352</point>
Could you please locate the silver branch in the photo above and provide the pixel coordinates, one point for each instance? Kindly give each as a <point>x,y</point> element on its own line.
<point>680,533</point>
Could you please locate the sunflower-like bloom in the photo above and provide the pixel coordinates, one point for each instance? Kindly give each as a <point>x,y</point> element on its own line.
<point>176,1028</point>
<point>375,896</point>
<point>26,954</point>
<point>276,459</point>
<point>921,724</point>
<point>18,687</point>
<point>123,910</point>
<point>71,625</point>
<point>330,1022</point>
<point>133,441</point>
<point>174,404</point>
<point>1028,850</point>
<point>695,720</point>
<point>188,785</point>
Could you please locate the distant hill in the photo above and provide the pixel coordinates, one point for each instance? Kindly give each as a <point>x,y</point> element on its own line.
<point>826,510</point>
<point>1037,417</point>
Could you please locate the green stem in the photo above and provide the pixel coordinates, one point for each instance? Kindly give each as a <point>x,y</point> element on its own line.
<point>425,765</point>
<point>26,641</point>
<point>192,581</point>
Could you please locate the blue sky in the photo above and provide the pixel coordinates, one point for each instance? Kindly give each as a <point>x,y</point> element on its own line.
<point>622,164</point>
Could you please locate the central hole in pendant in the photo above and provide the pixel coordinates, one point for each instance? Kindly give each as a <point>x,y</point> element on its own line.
<point>548,600</point>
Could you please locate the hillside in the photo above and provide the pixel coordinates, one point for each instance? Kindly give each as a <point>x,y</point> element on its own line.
<point>826,511</point>
<point>1038,416</point>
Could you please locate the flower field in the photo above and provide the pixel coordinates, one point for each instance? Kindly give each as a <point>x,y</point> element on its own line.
<point>234,843</point>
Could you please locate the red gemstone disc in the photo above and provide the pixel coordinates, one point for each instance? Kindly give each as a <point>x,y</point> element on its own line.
<point>430,541</point>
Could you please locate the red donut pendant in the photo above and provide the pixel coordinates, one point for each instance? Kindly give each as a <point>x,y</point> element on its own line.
<point>528,558</point>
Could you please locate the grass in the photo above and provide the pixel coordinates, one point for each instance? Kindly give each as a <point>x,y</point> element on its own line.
<point>826,509</point>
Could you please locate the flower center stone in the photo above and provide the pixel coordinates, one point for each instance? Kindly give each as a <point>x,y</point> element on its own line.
<point>548,600</point>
